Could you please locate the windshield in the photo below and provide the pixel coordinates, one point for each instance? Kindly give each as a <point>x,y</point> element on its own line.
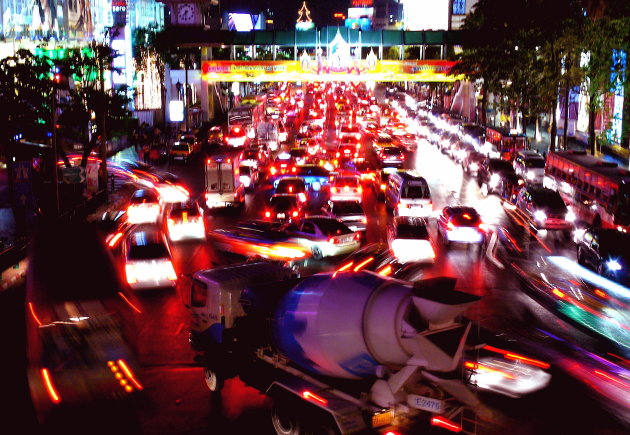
<point>346,207</point>
<point>550,199</point>
<point>290,187</point>
<point>414,190</point>
<point>180,147</point>
<point>282,203</point>
<point>347,181</point>
<point>149,251</point>
<point>500,165</point>
<point>179,210</point>
<point>412,232</point>
<point>391,151</point>
<point>535,163</point>
<point>313,170</point>
<point>332,227</point>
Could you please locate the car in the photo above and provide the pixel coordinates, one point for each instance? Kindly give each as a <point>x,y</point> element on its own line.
<point>315,177</point>
<point>409,240</point>
<point>248,175</point>
<point>184,220</point>
<point>191,140</point>
<point>407,194</point>
<point>323,236</point>
<point>180,151</point>
<point>530,165</point>
<point>545,209</point>
<point>283,164</point>
<point>392,157</point>
<point>350,130</point>
<point>215,135</point>
<point>347,211</point>
<point>147,259</point>
<point>144,207</point>
<point>299,155</point>
<point>381,142</point>
<point>346,152</point>
<point>472,162</point>
<point>491,173</point>
<point>236,137</point>
<point>283,208</point>
<point>292,186</point>
<point>461,225</point>
<point>283,135</point>
<point>607,251</point>
<point>408,140</point>
<point>346,187</point>
<point>253,157</point>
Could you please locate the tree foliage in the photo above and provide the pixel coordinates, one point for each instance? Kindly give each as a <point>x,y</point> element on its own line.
<point>530,50</point>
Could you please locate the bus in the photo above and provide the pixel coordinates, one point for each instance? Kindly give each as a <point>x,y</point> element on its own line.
<point>598,191</point>
<point>503,143</point>
<point>247,116</point>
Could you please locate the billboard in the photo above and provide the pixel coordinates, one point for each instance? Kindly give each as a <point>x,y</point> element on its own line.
<point>320,70</point>
<point>426,14</point>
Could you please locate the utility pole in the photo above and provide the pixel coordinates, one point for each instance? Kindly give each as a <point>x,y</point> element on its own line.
<point>103,165</point>
<point>54,147</point>
<point>186,91</point>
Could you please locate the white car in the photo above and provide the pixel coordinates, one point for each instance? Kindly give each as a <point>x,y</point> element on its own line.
<point>346,188</point>
<point>349,212</point>
<point>184,221</point>
<point>323,236</point>
<point>409,240</point>
<point>144,207</point>
<point>148,259</point>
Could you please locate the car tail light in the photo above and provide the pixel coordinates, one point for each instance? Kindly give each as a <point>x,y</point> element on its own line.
<point>267,214</point>
<point>130,273</point>
<point>293,169</point>
<point>450,226</point>
<point>170,270</point>
<point>445,423</point>
<point>294,214</point>
<point>357,236</point>
<point>382,186</point>
<point>273,170</point>
<point>333,241</point>
<point>333,189</point>
<point>364,220</point>
<point>360,190</point>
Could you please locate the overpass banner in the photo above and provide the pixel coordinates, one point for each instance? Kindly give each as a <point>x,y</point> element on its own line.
<point>307,69</point>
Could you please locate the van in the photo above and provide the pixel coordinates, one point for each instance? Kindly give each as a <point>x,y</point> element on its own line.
<point>408,194</point>
<point>530,165</point>
<point>213,301</point>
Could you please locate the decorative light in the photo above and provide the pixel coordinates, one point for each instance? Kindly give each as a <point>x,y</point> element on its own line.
<point>148,88</point>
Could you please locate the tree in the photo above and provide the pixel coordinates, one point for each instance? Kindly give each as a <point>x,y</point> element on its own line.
<point>521,58</point>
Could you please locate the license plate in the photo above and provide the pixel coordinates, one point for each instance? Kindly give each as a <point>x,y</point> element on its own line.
<point>425,403</point>
<point>383,419</point>
<point>281,215</point>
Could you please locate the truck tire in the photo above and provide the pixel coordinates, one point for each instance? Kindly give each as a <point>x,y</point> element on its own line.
<point>214,381</point>
<point>284,419</point>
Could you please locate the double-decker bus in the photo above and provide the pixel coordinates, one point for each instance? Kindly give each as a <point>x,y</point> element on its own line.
<point>503,143</point>
<point>598,191</point>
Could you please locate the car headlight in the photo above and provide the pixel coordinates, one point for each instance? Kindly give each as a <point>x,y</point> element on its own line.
<point>570,217</point>
<point>530,175</point>
<point>540,216</point>
<point>613,265</point>
<point>494,180</point>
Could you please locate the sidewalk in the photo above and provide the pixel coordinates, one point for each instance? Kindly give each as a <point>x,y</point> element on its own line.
<point>615,154</point>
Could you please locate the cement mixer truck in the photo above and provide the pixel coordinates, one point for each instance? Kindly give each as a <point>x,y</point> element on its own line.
<point>340,353</point>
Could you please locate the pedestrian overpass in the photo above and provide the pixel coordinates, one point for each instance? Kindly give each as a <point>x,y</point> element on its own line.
<point>326,54</point>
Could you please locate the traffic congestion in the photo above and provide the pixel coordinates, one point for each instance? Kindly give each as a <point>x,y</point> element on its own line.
<point>360,262</point>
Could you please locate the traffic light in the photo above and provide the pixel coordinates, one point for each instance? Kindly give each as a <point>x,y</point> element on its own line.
<point>60,76</point>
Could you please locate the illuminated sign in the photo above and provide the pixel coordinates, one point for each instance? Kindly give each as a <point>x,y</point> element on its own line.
<point>362,3</point>
<point>459,7</point>
<point>240,22</point>
<point>426,14</point>
<point>176,110</point>
<point>307,69</point>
